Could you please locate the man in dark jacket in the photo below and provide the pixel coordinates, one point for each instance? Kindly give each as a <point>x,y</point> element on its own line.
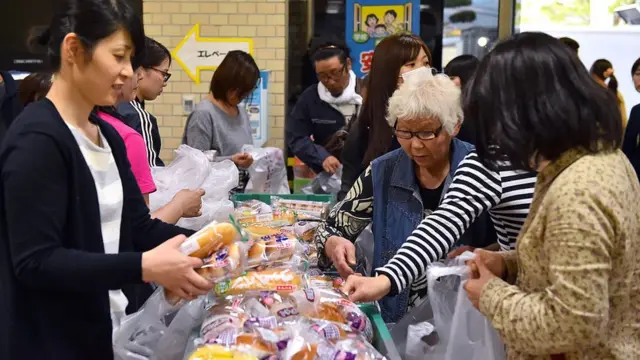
<point>324,110</point>
<point>10,105</point>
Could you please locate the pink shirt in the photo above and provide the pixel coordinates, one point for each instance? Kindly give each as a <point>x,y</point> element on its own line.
<point>136,152</point>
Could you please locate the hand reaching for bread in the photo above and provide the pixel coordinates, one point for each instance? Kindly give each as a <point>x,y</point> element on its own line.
<point>168,267</point>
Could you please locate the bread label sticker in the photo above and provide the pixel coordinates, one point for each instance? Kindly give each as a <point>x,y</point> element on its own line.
<point>285,287</point>
<point>189,246</point>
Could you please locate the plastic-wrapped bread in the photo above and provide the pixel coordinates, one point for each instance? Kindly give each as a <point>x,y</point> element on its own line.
<point>226,263</point>
<point>210,239</point>
<point>277,279</point>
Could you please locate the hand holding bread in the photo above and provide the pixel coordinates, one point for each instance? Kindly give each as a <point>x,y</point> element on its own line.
<point>167,266</point>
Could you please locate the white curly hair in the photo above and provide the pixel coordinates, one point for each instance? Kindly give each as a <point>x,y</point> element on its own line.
<point>424,95</point>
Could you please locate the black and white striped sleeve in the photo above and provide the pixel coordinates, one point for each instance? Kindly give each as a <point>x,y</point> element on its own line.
<point>474,190</point>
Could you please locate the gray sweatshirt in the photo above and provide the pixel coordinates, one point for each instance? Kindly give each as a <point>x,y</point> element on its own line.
<point>210,128</point>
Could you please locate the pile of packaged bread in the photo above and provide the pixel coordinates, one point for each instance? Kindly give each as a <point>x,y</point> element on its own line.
<point>267,299</point>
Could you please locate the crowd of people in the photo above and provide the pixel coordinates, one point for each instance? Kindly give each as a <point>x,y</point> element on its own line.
<point>537,174</point>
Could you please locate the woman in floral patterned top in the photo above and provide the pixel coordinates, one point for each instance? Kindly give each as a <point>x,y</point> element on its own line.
<point>571,289</point>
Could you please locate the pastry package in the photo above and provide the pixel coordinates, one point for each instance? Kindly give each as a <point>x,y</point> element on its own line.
<point>252,208</point>
<point>332,305</point>
<point>274,279</point>
<point>305,208</point>
<point>276,218</point>
<point>226,263</point>
<point>304,230</point>
<point>272,246</point>
<point>210,239</point>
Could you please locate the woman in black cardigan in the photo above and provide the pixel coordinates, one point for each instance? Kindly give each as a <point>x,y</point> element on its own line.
<point>57,284</point>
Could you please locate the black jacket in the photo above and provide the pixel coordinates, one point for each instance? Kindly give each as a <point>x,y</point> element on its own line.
<point>312,117</point>
<point>631,143</point>
<point>136,117</point>
<point>10,105</point>
<point>54,274</point>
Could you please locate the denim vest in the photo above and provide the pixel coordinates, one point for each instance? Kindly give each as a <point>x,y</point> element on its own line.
<point>398,210</point>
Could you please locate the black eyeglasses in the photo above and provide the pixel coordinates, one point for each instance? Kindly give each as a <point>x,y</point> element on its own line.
<point>165,75</point>
<point>334,75</point>
<point>422,135</point>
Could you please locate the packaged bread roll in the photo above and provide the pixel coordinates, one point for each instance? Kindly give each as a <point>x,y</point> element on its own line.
<point>269,249</point>
<point>279,279</point>
<point>209,239</point>
<point>226,263</point>
<point>219,352</point>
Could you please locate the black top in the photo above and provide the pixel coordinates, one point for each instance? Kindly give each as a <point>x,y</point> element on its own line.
<point>311,125</point>
<point>10,105</point>
<point>136,117</point>
<point>353,157</point>
<point>54,274</point>
<point>631,143</point>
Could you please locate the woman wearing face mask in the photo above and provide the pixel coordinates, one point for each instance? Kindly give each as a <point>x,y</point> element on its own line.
<point>601,71</point>
<point>219,122</point>
<point>75,229</point>
<point>186,203</point>
<point>631,143</point>
<point>371,136</point>
<point>154,74</point>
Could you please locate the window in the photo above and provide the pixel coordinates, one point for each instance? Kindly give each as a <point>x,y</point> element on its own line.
<point>596,26</point>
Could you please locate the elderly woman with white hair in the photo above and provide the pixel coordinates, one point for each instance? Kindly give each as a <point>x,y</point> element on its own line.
<point>400,188</point>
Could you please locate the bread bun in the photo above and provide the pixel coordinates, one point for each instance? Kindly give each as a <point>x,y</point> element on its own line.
<point>210,239</point>
<point>281,280</point>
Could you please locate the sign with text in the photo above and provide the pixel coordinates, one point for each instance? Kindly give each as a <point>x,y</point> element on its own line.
<point>370,21</point>
<point>195,53</point>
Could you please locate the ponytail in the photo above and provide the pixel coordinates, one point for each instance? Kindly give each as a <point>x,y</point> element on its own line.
<point>613,84</point>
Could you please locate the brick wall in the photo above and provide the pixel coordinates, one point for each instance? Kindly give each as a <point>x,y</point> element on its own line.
<point>168,21</point>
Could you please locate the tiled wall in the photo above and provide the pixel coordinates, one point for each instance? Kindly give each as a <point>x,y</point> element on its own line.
<point>168,21</point>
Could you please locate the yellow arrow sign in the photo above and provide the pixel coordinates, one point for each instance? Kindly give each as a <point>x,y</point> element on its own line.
<point>195,53</point>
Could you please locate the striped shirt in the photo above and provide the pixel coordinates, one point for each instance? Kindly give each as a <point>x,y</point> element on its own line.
<point>136,117</point>
<point>506,194</point>
<point>106,178</point>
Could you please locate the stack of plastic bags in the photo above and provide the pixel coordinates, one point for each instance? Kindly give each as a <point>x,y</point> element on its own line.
<point>264,302</point>
<point>268,173</point>
<point>446,326</point>
<point>192,169</point>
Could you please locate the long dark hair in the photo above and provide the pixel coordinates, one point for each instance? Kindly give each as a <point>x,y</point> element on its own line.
<point>390,55</point>
<point>463,67</point>
<point>598,69</point>
<point>533,99</point>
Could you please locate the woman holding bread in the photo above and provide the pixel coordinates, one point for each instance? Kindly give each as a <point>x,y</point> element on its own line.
<point>74,228</point>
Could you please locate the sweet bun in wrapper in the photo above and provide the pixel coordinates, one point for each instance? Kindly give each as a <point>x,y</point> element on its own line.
<point>226,263</point>
<point>276,279</point>
<point>210,239</point>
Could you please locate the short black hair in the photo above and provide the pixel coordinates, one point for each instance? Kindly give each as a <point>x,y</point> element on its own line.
<point>462,67</point>
<point>154,54</point>
<point>533,99</point>
<point>381,26</point>
<point>635,67</point>
<point>371,16</point>
<point>323,48</point>
<point>237,72</point>
<point>391,12</point>
<point>598,69</point>
<point>92,21</point>
<point>572,44</point>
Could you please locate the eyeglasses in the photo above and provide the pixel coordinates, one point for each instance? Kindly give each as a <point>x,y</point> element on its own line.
<point>422,135</point>
<point>165,75</point>
<point>334,75</point>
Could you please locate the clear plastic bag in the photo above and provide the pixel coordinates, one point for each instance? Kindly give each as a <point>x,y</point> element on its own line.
<point>324,183</point>
<point>268,173</point>
<point>364,251</point>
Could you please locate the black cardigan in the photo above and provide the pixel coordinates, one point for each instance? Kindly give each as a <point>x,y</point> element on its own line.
<point>54,274</point>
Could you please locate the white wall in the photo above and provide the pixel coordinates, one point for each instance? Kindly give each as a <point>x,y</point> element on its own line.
<point>619,45</point>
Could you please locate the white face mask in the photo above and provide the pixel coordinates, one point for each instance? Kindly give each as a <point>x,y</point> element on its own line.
<point>421,70</point>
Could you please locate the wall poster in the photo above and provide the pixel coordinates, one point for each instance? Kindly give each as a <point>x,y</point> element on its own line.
<point>370,21</point>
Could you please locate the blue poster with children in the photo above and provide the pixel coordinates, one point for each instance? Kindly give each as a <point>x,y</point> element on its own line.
<point>370,21</point>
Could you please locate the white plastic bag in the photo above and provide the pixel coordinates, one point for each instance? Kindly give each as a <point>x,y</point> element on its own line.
<point>364,251</point>
<point>268,173</point>
<point>324,183</point>
<point>192,169</point>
